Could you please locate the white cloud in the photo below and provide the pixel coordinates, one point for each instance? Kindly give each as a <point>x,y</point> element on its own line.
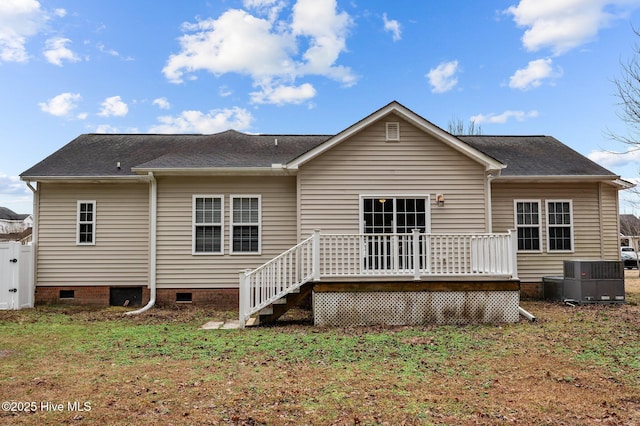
<point>62,105</point>
<point>106,128</point>
<point>269,8</point>
<point>533,75</point>
<point>615,159</point>
<point>235,42</point>
<point>56,51</point>
<point>327,32</point>
<point>504,117</point>
<point>266,49</point>
<point>393,26</point>
<point>161,103</point>
<point>198,122</point>
<point>19,20</point>
<point>562,25</point>
<point>284,95</point>
<point>15,194</point>
<point>113,106</point>
<point>442,78</point>
<point>224,91</point>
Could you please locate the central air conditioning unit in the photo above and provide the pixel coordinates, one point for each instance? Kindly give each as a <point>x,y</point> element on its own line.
<point>593,281</point>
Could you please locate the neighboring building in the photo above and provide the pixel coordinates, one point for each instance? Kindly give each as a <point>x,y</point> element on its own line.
<point>188,212</point>
<point>14,226</point>
<point>629,229</point>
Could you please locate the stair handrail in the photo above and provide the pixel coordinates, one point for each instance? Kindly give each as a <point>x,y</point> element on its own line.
<point>253,298</point>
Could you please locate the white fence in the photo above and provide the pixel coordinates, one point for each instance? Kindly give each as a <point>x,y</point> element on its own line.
<point>16,276</point>
<point>379,255</point>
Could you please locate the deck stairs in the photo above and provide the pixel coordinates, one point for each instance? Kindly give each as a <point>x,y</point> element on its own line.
<point>278,308</point>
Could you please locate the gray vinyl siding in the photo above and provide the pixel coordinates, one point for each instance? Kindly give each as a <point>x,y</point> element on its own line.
<point>330,185</point>
<point>178,267</point>
<point>120,255</point>
<point>595,221</point>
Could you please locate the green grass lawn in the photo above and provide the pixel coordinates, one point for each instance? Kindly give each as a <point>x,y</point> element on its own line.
<point>573,366</point>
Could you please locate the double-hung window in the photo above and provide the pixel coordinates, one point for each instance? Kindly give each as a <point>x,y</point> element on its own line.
<point>207,224</point>
<point>86,223</point>
<point>245,223</point>
<point>560,225</point>
<point>527,214</point>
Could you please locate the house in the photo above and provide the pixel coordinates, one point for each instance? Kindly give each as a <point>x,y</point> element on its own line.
<point>629,230</point>
<point>392,217</point>
<point>14,226</point>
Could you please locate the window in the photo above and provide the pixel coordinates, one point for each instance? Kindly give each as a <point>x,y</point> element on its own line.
<point>207,224</point>
<point>527,214</point>
<point>559,225</point>
<point>86,230</point>
<point>245,223</point>
<point>388,215</point>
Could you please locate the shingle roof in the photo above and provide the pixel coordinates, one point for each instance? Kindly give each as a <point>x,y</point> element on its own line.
<point>96,155</point>
<point>535,156</point>
<point>8,214</point>
<point>629,225</point>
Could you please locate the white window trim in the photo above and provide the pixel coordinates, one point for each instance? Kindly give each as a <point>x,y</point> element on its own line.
<point>193,225</point>
<point>232,224</point>
<point>390,137</point>
<point>93,222</point>
<point>546,215</point>
<point>541,216</point>
<point>395,196</point>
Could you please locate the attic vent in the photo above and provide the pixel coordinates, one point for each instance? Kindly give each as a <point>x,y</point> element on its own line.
<point>393,131</point>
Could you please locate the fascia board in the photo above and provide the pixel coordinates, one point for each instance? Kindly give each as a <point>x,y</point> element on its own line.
<point>82,179</point>
<point>559,178</point>
<point>216,171</point>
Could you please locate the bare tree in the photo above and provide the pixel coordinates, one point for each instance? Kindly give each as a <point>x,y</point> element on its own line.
<point>456,127</point>
<point>628,94</point>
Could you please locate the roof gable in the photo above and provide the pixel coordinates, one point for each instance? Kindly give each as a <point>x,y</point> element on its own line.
<point>413,118</point>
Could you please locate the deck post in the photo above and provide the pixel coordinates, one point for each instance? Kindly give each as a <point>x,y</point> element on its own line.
<point>514,253</point>
<point>244,297</point>
<point>315,255</point>
<point>416,253</point>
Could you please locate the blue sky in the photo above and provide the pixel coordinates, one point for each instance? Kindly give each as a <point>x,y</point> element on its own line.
<point>521,67</point>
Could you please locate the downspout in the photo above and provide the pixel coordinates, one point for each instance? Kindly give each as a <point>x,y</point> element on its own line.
<point>488,207</point>
<point>153,207</point>
<point>36,195</point>
<point>34,240</point>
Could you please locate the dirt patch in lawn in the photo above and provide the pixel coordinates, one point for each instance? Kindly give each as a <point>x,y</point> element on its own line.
<point>573,366</point>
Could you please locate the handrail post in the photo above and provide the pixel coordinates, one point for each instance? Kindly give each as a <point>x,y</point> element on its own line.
<point>513,255</point>
<point>416,253</point>
<point>315,255</point>
<point>244,297</point>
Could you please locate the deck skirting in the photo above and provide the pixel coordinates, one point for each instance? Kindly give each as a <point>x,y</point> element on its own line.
<point>360,307</point>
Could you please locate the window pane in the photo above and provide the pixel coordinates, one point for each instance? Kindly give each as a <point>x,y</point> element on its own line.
<point>86,233</point>
<point>560,238</point>
<point>208,239</point>
<point>245,239</point>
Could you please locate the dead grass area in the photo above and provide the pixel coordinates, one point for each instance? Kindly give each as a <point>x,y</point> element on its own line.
<point>573,366</point>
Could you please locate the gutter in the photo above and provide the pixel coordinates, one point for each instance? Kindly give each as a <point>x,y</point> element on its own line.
<point>153,207</point>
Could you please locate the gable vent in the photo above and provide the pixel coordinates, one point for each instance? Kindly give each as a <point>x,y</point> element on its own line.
<point>393,131</point>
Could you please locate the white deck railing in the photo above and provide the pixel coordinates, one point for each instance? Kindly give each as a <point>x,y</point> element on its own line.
<point>415,255</point>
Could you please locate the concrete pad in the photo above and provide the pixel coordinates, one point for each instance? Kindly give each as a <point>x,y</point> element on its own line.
<point>212,325</point>
<point>231,325</point>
